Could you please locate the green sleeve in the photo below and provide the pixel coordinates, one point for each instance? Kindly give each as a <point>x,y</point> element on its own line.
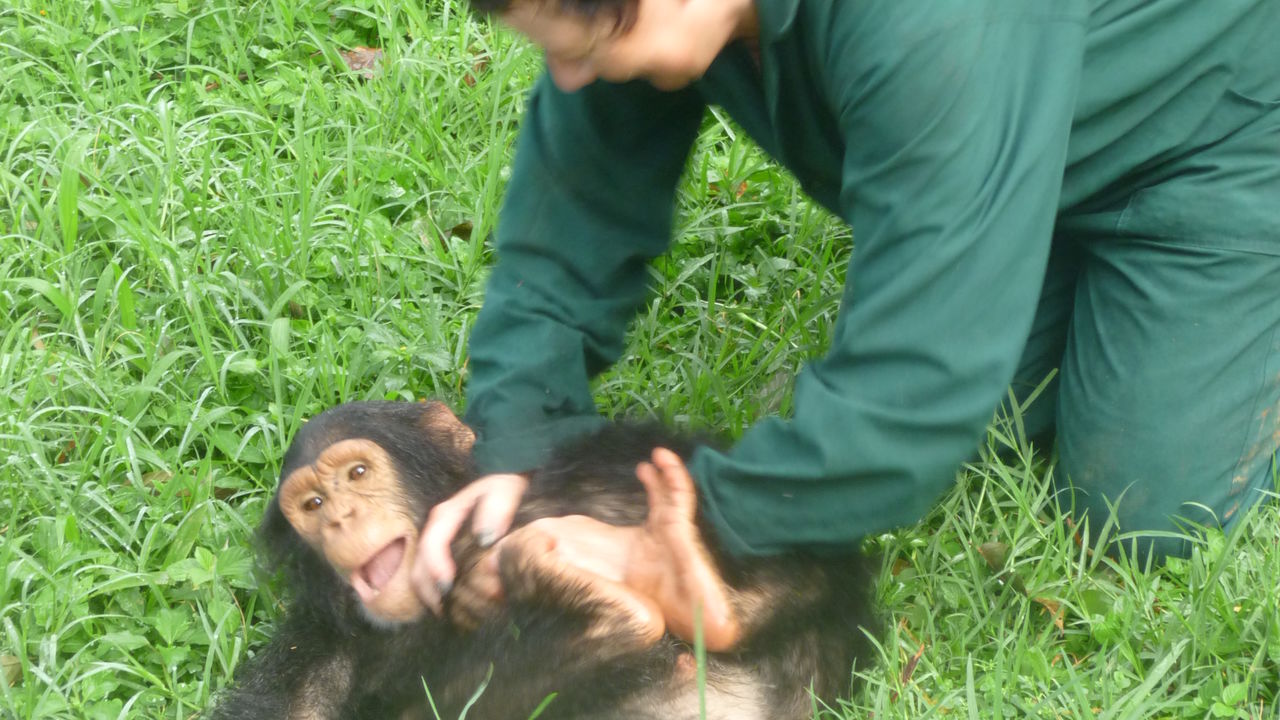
<point>956,133</point>
<point>589,203</point>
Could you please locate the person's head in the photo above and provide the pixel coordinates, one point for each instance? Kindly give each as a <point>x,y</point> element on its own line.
<point>670,43</point>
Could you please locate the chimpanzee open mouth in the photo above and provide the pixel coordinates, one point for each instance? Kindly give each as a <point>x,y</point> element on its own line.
<point>383,566</point>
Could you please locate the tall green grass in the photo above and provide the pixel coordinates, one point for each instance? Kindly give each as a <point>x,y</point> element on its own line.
<point>210,229</point>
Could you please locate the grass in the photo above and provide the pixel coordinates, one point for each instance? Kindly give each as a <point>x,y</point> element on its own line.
<point>210,230</point>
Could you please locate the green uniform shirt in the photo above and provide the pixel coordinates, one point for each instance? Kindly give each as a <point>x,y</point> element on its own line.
<point>954,136</point>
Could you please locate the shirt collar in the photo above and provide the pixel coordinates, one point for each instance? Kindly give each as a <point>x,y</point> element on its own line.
<point>776,17</point>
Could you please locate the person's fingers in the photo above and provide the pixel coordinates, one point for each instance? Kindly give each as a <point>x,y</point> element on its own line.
<point>670,491</point>
<point>433,568</point>
<point>655,494</point>
<point>688,588</point>
<point>535,540</point>
<point>577,540</point>
<point>496,508</point>
<point>538,561</point>
<point>681,494</point>
<point>493,500</point>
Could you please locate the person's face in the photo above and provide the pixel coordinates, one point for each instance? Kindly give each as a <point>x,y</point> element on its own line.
<point>671,42</point>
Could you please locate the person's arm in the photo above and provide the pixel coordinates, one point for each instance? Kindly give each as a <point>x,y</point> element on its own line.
<point>589,203</point>
<point>956,132</point>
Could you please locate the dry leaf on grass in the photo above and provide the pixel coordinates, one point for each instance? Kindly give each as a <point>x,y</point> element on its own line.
<point>156,478</point>
<point>476,68</point>
<point>364,60</point>
<point>1055,611</point>
<point>462,230</point>
<point>65,454</point>
<point>997,556</point>
<point>11,668</point>
<point>907,671</point>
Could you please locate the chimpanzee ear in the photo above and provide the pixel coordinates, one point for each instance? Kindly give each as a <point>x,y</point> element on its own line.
<point>439,421</point>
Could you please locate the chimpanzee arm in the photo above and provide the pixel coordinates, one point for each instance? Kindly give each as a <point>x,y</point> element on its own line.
<point>303,674</point>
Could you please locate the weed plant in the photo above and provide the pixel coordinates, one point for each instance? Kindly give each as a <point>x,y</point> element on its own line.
<point>211,229</point>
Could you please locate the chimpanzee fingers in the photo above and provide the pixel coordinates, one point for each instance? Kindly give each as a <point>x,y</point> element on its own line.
<point>462,613</point>
<point>655,494</point>
<point>477,594</point>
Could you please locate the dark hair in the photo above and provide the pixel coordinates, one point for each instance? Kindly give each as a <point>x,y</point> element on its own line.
<point>623,12</point>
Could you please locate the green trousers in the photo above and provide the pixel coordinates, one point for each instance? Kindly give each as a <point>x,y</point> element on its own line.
<point>1166,336</point>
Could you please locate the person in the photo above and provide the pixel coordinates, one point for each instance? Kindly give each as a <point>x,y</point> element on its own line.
<point>1085,186</point>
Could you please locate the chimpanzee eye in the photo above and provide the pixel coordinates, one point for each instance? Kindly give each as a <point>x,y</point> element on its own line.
<point>312,503</point>
<point>357,472</point>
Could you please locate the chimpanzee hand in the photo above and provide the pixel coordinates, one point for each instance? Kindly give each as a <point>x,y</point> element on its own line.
<point>477,593</point>
<point>491,504</point>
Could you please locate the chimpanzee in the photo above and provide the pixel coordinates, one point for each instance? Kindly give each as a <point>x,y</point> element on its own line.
<point>355,642</point>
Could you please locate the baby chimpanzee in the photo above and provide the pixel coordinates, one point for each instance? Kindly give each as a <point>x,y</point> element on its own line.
<point>355,489</point>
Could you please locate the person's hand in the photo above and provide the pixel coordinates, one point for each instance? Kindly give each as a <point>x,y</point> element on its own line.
<point>670,564</point>
<point>663,560</point>
<point>491,504</point>
<point>532,565</point>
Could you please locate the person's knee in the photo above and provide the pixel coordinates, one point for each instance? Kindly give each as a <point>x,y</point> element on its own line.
<point>1145,512</point>
<point>1127,529</point>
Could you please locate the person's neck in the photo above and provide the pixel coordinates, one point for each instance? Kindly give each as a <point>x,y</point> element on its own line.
<point>748,27</point>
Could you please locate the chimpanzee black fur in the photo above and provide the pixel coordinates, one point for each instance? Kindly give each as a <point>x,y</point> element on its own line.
<point>328,662</point>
